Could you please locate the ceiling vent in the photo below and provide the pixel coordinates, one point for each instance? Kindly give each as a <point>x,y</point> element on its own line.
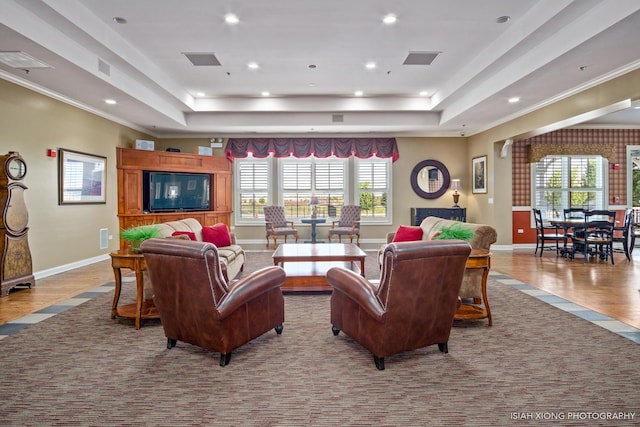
<point>103,67</point>
<point>21,60</point>
<point>420,58</point>
<point>337,118</point>
<point>202,59</point>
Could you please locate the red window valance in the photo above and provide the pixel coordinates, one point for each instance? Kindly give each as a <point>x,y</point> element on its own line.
<point>362,148</point>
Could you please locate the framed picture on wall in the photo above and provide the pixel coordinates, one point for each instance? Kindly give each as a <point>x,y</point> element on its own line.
<point>479,174</point>
<point>81,178</point>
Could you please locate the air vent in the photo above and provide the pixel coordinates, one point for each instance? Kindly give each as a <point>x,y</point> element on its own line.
<point>103,67</point>
<point>21,60</point>
<point>420,58</point>
<point>104,238</point>
<point>202,59</point>
<point>337,118</point>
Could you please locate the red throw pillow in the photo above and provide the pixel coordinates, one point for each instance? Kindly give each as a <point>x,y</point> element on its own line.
<point>191,234</point>
<point>217,234</point>
<point>406,233</point>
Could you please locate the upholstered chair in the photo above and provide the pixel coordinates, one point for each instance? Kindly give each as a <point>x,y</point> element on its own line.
<point>196,303</point>
<point>347,225</point>
<point>413,305</point>
<point>277,225</point>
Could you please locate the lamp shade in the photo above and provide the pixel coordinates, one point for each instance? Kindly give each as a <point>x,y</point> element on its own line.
<point>314,200</point>
<point>455,184</point>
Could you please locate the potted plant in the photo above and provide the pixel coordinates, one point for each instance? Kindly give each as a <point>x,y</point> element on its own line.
<point>136,235</point>
<point>455,232</point>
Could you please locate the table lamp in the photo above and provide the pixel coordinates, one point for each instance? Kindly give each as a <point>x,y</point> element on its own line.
<point>314,202</point>
<point>455,186</point>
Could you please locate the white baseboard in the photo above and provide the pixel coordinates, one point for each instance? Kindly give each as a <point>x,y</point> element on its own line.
<point>71,266</point>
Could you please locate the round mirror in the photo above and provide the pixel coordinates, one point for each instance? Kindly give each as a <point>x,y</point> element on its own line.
<point>430,179</point>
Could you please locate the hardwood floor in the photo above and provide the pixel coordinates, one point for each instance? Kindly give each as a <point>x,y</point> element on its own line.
<point>612,290</point>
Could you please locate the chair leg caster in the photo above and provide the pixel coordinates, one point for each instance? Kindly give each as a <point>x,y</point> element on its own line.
<point>335,331</point>
<point>443,347</point>
<point>225,358</point>
<point>379,361</point>
<point>171,343</point>
<point>279,329</point>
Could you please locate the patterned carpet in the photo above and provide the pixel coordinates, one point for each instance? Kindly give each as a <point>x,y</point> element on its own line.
<point>536,365</point>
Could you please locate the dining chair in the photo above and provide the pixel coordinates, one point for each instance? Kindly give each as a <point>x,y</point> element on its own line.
<point>572,214</point>
<point>625,235</point>
<point>545,233</point>
<point>596,238</point>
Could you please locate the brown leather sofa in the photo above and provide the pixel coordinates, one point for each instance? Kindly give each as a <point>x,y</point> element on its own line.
<point>197,305</point>
<point>412,307</point>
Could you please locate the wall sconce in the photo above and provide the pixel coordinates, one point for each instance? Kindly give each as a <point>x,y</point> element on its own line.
<point>455,186</point>
<point>314,202</point>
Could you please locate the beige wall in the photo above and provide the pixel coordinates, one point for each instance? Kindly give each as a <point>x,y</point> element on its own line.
<point>31,123</point>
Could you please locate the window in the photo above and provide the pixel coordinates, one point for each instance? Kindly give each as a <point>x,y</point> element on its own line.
<point>374,182</point>
<point>290,182</point>
<point>561,182</point>
<point>252,188</point>
<point>303,178</point>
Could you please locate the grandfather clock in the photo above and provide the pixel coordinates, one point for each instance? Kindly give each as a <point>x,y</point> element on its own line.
<point>15,264</point>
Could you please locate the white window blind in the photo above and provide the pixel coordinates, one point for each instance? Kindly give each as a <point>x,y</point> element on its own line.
<point>568,182</point>
<point>252,186</point>
<point>374,182</point>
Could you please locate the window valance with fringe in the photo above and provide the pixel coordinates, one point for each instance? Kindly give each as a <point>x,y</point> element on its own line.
<point>362,148</point>
<point>537,151</point>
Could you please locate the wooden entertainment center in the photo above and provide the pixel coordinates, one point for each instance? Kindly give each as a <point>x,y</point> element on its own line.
<point>130,165</point>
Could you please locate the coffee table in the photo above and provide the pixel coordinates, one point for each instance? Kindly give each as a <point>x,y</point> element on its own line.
<point>306,264</point>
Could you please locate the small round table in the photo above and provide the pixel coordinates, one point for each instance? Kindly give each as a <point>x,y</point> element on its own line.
<point>141,309</point>
<point>478,259</point>
<point>313,222</point>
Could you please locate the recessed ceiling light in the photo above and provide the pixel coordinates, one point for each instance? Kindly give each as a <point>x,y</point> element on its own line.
<point>390,19</point>
<point>424,93</point>
<point>370,65</point>
<point>199,93</point>
<point>253,65</point>
<point>503,19</point>
<point>312,66</point>
<point>230,18</point>
<point>358,93</point>
<point>514,100</point>
<point>110,101</point>
<point>119,20</point>
<point>265,93</point>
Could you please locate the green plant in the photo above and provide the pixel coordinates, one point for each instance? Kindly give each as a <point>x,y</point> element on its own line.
<point>456,232</point>
<point>136,235</point>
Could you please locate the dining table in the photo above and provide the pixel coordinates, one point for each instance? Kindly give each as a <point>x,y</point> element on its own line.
<point>570,226</point>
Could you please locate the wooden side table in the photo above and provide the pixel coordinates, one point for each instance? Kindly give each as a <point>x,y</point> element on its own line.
<point>478,259</point>
<point>141,309</point>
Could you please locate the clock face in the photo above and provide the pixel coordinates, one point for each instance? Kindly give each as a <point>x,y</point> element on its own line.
<point>16,169</point>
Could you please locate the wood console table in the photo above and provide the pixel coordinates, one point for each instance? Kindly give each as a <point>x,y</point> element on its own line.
<point>141,309</point>
<point>478,259</point>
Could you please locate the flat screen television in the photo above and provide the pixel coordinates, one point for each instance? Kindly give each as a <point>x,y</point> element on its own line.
<point>176,191</point>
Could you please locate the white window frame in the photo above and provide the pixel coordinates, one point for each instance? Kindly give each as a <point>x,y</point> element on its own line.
<point>565,189</point>
<point>238,192</point>
<point>313,190</point>
<point>275,194</point>
<point>388,218</point>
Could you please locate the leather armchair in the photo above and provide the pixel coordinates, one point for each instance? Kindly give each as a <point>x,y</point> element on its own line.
<point>197,304</point>
<point>412,307</point>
